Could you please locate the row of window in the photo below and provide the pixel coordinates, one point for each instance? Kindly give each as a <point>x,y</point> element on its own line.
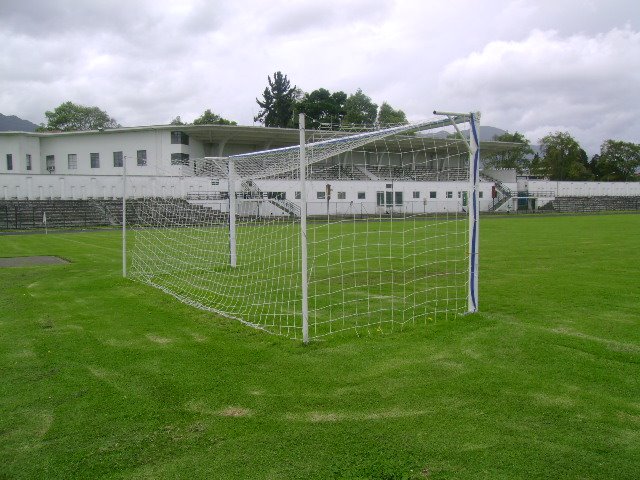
<point>383,197</point>
<point>10,161</point>
<point>180,138</point>
<point>363,195</point>
<point>118,160</point>
<point>94,160</point>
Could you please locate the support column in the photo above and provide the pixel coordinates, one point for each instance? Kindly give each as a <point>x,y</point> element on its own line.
<point>233,259</point>
<point>124,217</point>
<point>474,218</point>
<point>303,233</point>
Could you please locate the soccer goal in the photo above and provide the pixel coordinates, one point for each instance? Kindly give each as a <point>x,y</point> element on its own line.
<point>361,232</point>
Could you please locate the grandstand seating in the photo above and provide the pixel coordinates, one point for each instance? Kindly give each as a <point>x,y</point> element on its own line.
<point>29,214</point>
<point>419,173</point>
<point>382,172</point>
<point>335,172</point>
<point>593,204</point>
<point>77,214</point>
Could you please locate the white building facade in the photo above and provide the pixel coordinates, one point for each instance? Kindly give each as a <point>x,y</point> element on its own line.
<point>90,165</point>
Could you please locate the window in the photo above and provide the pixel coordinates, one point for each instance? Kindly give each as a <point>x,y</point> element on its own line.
<point>459,194</point>
<point>342,195</point>
<point>72,161</point>
<point>9,161</point>
<point>28,161</point>
<point>480,194</point>
<point>95,160</point>
<point>389,185</point>
<point>51,163</point>
<point>179,138</point>
<point>389,198</point>
<point>433,195</point>
<point>179,159</point>
<point>117,159</point>
<point>416,194</point>
<point>449,194</point>
<point>379,198</point>
<point>298,195</point>
<point>141,155</point>
<point>277,195</point>
<point>398,198</point>
<point>362,195</point>
<point>320,195</point>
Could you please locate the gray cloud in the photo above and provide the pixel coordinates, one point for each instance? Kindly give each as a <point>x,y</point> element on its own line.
<point>584,84</point>
<point>531,66</point>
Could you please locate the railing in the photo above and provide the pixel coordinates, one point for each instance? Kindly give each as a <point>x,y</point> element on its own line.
<point>208,196</point>
<point>285,205</point>
<point>506,194</point>
<point>541,193</point>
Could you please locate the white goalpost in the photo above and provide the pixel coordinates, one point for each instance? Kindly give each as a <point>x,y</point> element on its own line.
<point>365,232</point>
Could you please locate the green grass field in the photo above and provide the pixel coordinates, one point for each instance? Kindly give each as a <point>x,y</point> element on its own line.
<point>102,377</point>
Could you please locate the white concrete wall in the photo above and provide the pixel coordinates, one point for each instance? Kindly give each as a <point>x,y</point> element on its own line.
<point>82,187</point>
<point>352,205</point>
<point>19,146</point>
<point>157,143</point>
<point>579,189</point>
<point>105,144</point>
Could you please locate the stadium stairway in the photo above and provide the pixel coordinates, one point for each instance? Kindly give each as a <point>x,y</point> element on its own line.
<point>504,193</point>
<point>285,205</point>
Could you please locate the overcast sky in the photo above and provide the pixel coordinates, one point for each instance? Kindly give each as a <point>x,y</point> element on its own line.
<point>529,66</point>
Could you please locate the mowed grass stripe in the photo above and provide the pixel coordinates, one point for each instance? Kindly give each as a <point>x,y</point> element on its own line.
<point>107,378</point>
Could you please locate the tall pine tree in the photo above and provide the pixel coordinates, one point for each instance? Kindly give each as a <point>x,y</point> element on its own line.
<point>277,102</point>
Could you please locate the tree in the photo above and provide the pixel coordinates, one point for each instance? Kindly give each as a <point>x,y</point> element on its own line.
<point>321,107</point>
<point>177,121</point>
<point>618,161</point>
<point>360,109</point>
<point>70,117</point>
<point>518,157</point>
<point>536,167</point>
<point>563,159</point>
<point>277,102</point>
<point>210,118</point>
<point>389,116</point>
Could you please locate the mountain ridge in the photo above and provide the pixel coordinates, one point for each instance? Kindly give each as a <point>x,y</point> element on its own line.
<point>12,123</point>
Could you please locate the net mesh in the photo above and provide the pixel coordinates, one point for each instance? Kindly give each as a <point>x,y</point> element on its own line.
<point>386,235</point>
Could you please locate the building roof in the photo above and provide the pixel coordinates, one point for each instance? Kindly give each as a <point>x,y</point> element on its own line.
<point>269,137</point>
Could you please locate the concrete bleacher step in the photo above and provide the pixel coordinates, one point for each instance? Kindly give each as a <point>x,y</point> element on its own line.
<point>596,204</point>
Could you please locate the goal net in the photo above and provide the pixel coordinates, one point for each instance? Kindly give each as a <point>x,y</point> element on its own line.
<point>364,232</point>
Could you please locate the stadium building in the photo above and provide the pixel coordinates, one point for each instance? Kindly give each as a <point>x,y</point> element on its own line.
<point>160,161</point>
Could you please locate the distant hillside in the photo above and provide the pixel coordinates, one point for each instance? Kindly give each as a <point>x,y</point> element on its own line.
<point>16,124</point>
<point>488,133</point>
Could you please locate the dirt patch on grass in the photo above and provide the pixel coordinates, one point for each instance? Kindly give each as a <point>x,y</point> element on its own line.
<point>35,261</point>
<point>315,417</point>
<point>553,400</point>
<point>235,412</point>
<point>158,339</point>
